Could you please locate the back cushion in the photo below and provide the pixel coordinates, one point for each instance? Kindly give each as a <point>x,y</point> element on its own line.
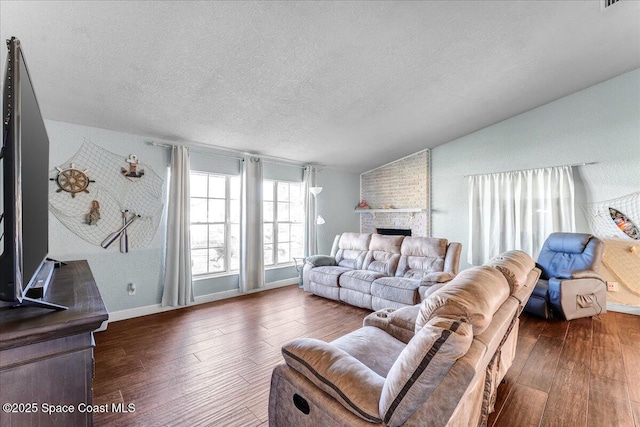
<point>420,256</point>
<point>384,254</point>
<point>352,249</point>
<point>564,252</point>
<point>421,366</point>
<point>515,266</point>
<point>474,295</point>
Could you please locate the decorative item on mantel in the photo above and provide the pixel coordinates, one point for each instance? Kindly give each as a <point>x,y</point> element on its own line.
<point>387,207</point>
<point>363,205</point>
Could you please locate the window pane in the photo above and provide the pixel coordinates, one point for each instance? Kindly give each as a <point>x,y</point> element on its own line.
<point>217,186</point>
<point>216,260</point>
<point>296,193</point>
<point>199,236</point>
<point>297,233</point>
<point>216,235</point>
<point>297,212</point>
<point>216,210</point>
<point>267,232</point>
<point>296,250</point>
<point>234,211</point>
<point>234,247</point>
<point>234,187</point>
<point>198,184</point>
<point>283,253</point>
<point>267,212</point>
<point>199,261</point>
<point>283,233</point>
<point>268,254</point>
<point>283,211</point>
<point>267,190</point>
<point>198,210</point>
<point>283,191</point>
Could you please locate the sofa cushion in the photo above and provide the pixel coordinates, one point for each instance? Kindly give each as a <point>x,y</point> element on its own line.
<point>421,366</point>
<point>384,254</point>
<point>396,289</point>
<point>515,266</point>
<point>352,249</point>
<point>390,244</point>
<point>355,298</point>
<point>338,374</point>
<point>421,255</point>
<point>327,276</point>
<point>474,295</point>
<point>359,280</point>
<point>372,346</point>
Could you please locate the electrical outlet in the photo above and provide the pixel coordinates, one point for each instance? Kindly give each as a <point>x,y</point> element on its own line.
<point>612,286</point>
<point>131,288</point>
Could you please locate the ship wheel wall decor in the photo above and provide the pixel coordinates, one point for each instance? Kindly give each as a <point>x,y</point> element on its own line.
<point>72,180</point>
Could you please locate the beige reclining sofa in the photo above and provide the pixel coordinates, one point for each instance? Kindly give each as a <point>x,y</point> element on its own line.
<point>436,364</point>
<point>375,271</point>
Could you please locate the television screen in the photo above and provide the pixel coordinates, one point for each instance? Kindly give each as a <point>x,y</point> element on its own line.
<point>25,185</point>
<point>35,178</point>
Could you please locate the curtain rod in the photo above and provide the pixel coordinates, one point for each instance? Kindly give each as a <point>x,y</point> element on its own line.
<point>209,153</point>
<point>529,169</point>
<point>267,159</point>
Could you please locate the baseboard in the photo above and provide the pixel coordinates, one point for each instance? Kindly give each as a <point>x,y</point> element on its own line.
<point>623,308</point>
<point>116,316</point>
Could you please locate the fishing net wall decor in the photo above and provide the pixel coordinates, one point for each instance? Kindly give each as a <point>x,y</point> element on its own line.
<point>616,221</point>
<point>615,218</point>
<point>95,175</point>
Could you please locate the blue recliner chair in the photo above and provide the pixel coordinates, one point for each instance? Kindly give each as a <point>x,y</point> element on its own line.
<point>569,285</point>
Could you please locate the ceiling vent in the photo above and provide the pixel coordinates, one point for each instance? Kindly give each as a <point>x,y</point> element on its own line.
<point>604,4</point>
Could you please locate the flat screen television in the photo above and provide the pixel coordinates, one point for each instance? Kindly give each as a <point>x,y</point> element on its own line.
<point>25,188</point>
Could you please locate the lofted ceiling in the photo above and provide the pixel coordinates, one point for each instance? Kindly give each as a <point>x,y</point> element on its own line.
<point>348,85</point>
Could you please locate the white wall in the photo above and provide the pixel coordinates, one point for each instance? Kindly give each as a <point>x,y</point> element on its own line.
<point>336,203</point>
<point>599,124</point>
<point>112,270</point>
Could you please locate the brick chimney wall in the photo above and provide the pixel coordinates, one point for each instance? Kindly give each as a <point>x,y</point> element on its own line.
<point>401,184</point>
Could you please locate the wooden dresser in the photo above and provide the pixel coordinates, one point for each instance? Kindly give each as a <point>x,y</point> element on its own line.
<point>46,356</point>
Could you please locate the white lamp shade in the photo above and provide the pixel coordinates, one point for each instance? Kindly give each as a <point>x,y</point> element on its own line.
<point>315,190</point>
<point>320,220</point>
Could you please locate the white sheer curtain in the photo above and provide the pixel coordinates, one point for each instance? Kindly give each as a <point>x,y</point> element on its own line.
<point>518,210</point>
<point>178,286</point>
<point>311,228</point>
<point>251,246</point>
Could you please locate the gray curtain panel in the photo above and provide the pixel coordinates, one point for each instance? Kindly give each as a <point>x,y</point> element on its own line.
<point>251,247</point>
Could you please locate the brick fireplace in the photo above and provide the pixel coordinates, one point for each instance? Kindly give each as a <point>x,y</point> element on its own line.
<point>402,184</point>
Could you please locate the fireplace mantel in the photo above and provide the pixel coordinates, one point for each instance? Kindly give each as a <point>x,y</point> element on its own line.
<point>410,211</point>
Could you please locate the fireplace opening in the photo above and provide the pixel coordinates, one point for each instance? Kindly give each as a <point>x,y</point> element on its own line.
<point>394,231</point>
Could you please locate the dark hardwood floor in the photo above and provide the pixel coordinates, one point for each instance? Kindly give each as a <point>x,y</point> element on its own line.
<point>211,364</point>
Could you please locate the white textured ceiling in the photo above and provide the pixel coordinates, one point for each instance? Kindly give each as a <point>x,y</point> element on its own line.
<point>349,85</point>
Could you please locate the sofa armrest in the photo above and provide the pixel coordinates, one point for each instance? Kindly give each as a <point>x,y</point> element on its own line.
<point>579,274</point>
<point>580,297</point>
<point>338,374</point>
<point>436,277</point>
<point>586,274</point>
<point>452,257</point>
<point>399,323</point>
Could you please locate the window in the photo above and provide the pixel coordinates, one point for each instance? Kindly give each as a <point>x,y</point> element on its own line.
<point>283,216</point>
<point>215,223</point>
